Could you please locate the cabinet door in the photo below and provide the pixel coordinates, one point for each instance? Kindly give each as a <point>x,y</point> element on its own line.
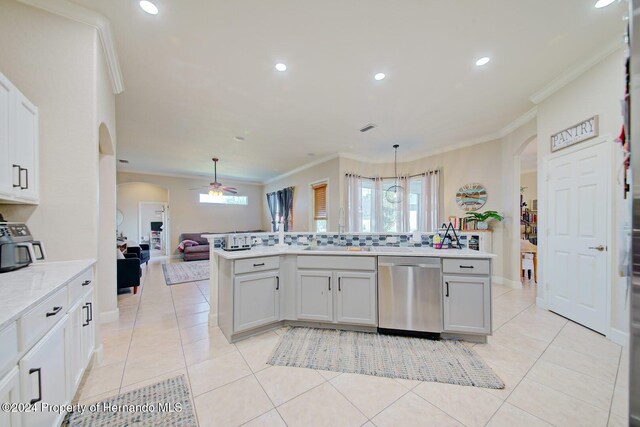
<point>10,393</point>
<point>7,103</point>
<point>356,298</point>
<point>467,304</point>
<point>74,335</point>
<point>256,300</point>
<point>25,148</point>
<point>314,295</point>
<point>88,329</point>
<point>43,376</point>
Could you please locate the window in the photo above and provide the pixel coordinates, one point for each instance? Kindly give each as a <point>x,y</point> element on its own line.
<point>415,203</point>
<point>320,207</point>
<point>366,205</point>
<point>225,200</point>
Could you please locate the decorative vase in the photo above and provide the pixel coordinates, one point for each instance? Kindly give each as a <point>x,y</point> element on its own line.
<point>483,225</point>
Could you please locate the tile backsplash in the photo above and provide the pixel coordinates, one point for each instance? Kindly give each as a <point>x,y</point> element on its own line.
<point>347,239</point>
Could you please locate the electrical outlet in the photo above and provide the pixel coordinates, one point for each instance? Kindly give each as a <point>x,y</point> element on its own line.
<point>302,239</point>
<point>392,239</point>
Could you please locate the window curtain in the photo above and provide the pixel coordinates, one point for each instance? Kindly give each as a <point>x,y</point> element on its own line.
<point>353,217</point>
<point>430,220</point>
<point>285,199</point>
<point>403,207</point>
<point>272,202</point>
<point>377,218</point>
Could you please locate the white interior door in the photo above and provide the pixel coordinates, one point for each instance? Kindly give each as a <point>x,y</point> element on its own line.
<point>577,254</point>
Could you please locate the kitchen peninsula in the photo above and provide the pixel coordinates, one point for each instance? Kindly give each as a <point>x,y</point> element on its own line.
<point>347,287</point>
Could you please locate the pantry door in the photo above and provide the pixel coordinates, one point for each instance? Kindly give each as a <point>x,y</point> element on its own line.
<point>577,254</point>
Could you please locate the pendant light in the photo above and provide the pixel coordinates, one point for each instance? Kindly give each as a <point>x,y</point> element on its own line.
<point>395,193</point>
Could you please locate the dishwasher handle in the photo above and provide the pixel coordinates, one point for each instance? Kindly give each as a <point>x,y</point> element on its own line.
<point>389,264</point>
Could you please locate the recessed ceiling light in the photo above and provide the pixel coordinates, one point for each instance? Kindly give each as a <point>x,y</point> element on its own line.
<point>483,61</point>
<point>239,138</point>
<point>281,67</point>
<point>311,154</point>
<point>149,7</point>
<point>379,76</point>
<point>603,3</point>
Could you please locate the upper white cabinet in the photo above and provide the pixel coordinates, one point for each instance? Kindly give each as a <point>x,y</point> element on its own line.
<point>19,168</point>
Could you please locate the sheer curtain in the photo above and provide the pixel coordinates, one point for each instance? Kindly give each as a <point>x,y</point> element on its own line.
<point>403,207</point>
<point>430,201</point>
<point>353,214</point>
<point>377,219</point>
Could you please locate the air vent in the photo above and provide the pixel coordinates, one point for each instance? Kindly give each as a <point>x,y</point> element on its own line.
<point>123,161</point>
<point>367,127</point>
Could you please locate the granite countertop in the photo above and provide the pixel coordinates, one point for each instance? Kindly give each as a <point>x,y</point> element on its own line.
<point>23,289</point>
<point>343,251</point>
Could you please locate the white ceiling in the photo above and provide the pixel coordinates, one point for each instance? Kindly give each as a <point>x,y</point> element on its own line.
<point>201,72</point>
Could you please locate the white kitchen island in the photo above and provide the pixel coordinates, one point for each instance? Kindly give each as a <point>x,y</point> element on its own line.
<point>268,287</point>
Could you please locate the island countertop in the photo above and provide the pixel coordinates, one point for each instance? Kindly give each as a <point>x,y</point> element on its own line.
<point>23,289</point>
<point>258,251</point>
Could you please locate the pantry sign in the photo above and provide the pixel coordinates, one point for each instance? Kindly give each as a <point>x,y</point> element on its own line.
<point>581,132</point>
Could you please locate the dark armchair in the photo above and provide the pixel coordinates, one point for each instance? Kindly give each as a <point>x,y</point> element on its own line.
<point>129,272</point>
<point>141,252</point>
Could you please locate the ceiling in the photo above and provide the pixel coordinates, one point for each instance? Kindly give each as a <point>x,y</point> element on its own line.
<point>202,72</point>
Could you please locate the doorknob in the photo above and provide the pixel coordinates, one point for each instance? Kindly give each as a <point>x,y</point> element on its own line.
<point>599,248</point>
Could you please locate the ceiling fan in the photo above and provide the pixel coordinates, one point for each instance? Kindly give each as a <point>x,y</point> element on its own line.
<point>215,188</point>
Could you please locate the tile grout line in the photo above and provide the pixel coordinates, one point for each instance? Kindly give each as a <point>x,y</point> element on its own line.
<point>525,376</point>
<point>615,385</point>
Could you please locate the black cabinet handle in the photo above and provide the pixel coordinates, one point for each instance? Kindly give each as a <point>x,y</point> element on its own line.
<point>90,304</point>
<point>26,178</point>
<point>55,311</point>
<point>86,319</point>
<point>86,283</point>
<point>258,265</point>
<point>277,283</point>
<point>19,184</point>
<point>447,294</point>
<point>329,282</point>
<point>339,284</point>
<point>31,371</point>
<point>466,266</point>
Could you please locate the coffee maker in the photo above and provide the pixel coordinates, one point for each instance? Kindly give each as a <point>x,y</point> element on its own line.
<point>18,249</point>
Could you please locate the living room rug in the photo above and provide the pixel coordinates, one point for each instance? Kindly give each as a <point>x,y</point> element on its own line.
<point>444,361</point>
<point>165,403</point>
<point>183,272</point>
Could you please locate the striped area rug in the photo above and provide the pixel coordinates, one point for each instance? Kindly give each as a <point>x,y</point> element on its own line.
<point>165,403</point>
<point>444,361</point>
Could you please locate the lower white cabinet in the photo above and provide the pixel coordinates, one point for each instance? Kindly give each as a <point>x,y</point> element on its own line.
<point>337,296</point>
<point>74,335</point>
<point>314,295</point>
<point>467,304</point>
<point>10,393</point>
<point>88,329</point>
<point>256,300</point>
<point>44,375</point>
<point>356,298</point>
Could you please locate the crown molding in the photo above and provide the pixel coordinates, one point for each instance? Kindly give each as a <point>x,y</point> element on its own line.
<point>186,176</point>
<point>94,19</point>
<point>301,168</point>
<point>576,71</point>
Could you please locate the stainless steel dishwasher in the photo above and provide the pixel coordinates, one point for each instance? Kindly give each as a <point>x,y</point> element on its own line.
<point>409,295</point>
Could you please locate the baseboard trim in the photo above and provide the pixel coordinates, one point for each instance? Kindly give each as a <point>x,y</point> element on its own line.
<point>513,284</point>
<point>498,280</point>
<point>619,337</point>
<point>540,302</point>
<point>213,318</point>
<point>110,316</point>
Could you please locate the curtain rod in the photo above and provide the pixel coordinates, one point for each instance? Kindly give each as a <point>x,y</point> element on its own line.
<point>393,177</point>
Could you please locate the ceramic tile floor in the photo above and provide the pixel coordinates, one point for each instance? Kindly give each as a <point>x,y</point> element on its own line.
<point>556,372</point>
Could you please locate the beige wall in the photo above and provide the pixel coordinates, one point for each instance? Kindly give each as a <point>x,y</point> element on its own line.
<point>301,195</point>
<point>598,91</point>
<point>188,215</point>
<point>129,197</point>
<point>529,180</point>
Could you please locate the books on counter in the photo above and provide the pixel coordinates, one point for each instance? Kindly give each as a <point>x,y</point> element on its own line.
<point>464,224</point>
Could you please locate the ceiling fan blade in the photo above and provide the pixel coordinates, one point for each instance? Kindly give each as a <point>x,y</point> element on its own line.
<point>230,190</point>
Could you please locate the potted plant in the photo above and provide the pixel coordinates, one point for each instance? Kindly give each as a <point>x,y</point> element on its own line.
<point>482,217</point>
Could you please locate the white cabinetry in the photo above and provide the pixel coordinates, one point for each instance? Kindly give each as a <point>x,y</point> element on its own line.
<point>467,296</point>
<point>326,294</point>
<point>314,296</point>
<point>18,146</point>
<point>44,375</point>
<point>356,298</point>
<point>256,300</point>
<point>10,393</point>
